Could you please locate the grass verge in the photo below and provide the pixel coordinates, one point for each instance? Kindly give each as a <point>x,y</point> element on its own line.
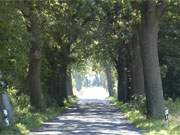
<point>33,120</point>
<point>150,126</point>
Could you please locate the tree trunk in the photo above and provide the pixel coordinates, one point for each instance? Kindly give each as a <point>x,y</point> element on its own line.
<point>109,79</point>
<point>69,84</point>
<point>78,80</point>
<point>122,79</point>
<point>62,92</point>
<point>152,77</point>
<point>36,95</point>
<point>34,74</point>
<point>137,66</point>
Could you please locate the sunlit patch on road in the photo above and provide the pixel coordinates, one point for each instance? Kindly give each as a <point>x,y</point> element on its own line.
<point>93,93</point>
<point>89,117</point>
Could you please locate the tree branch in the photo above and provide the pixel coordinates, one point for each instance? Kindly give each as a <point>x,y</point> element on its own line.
<point>161,8</point>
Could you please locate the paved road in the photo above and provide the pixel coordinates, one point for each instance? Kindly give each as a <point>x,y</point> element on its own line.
<point>89,117</point>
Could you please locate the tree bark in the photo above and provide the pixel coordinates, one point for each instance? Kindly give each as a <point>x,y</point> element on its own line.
<point>69,84</point>
<point>62,92</point>
<point>36,96</point>
<point>122,78</point>
<point>152,77</point>
<point>78,80</point>
<point>108,73</point>
<point>137,66</point>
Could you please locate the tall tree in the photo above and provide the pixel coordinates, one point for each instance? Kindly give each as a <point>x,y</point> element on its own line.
<point>33,24</point>
<point>121,67</point>
<point>69,83</point>
<point>169,49</point>
<point>137,65</point>
<point>108,72</point>
<point>151,15</point>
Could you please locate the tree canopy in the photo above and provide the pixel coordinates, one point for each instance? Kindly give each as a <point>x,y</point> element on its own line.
<point>137,42</point>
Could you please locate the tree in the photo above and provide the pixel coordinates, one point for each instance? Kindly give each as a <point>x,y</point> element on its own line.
<point>136,64</point>
<point>169,50</point>
<point>34,75</point>
<point>151,15</point>
<point>108,72</point>
<point>13,46</point>
<point>67,30</point>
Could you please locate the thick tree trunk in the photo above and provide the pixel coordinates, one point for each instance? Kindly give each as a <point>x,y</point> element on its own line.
<point>62,92</point>
<point>36,95</point>
<point>122,79</point>
<point>58,84</point>
<point>34,74</point>
<point>137,67</point>
<point>69,84</point>
<point>152,77</point>
<point>108,73</point>
<point>53,89</point>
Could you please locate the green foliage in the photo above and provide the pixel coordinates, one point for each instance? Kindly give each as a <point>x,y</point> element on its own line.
<point>151,126</point>
<point>30,120</point>
<point>14,46</point>
<point>26,119</point>
<point>70,101</point>
<point>76,32</point>
<point>34,120</point>
<point>139,102</point>
<point>169,50</point>
<point>20,102</point>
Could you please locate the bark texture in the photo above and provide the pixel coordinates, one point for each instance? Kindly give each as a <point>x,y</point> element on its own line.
<point>33,26</point>
<point>78,80</point>
<point>69,84</point>
<point>137,66</point>
<point>62,92</point>
<point>122,77</point>
<point>152,77</point>
<point>108,73</point>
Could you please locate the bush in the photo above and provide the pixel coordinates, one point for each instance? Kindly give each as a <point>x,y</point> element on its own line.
<point>139,103</point>
<point>20,103</point>
<point>151,126</point>
<point>26,119</point>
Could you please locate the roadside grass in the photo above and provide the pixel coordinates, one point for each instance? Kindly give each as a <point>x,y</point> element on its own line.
<point>32,120</point>
<point>151,126</point>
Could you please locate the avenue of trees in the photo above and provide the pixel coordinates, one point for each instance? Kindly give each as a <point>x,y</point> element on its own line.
<point>43,41</point>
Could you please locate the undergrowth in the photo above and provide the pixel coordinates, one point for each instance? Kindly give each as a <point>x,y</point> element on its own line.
<point>151,126</point>
<point>26,119</point>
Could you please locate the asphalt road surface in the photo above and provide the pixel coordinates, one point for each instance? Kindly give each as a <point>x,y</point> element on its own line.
<point>89,117</point>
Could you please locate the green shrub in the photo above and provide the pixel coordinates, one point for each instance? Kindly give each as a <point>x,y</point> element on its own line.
<point>151,126</point>
<point>20,102</point>
<point>25,118</point>
<point>139,103</point>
